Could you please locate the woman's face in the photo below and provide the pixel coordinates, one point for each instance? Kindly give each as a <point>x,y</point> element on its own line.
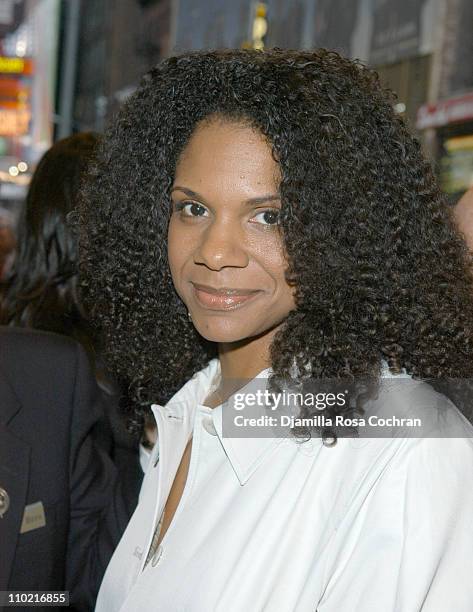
<point>225,250</point>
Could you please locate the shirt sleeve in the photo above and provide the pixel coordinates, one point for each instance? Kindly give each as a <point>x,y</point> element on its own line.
<point>409,545</point>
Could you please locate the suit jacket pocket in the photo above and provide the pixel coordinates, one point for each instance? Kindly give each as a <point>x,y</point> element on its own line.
<point>40,555</point>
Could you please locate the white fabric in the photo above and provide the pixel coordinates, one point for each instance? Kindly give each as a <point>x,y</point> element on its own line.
<point>275,525</point>
<point>145,456</point>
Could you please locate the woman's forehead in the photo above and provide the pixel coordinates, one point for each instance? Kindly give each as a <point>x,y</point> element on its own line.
<point>228,155</point>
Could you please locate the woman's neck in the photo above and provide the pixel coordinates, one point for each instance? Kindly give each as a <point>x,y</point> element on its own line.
<point>246,358</point>
<point>240,362</point>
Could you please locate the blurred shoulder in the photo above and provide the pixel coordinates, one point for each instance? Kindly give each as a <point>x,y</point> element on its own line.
<point>35,357</point>
<point>437,415</point>
<point>48,373</point>
<point>32,343</point>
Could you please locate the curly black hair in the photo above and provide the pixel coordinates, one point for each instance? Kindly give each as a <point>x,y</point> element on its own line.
<point>379,268</point>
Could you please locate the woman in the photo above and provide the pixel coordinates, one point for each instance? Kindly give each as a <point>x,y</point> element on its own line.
<point>7,243</point>
<point>42,291</point>
<point>266,215</point>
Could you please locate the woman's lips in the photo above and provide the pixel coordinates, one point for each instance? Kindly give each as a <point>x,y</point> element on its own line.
<point>222,301</point>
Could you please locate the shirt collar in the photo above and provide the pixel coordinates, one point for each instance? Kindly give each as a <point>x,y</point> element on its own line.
<point>244,454</point>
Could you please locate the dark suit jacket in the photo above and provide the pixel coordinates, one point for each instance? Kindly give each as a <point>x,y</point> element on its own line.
<point>49,406</point>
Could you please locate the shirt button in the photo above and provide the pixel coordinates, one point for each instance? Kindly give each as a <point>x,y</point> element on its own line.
<point>208,425</point>
<point>157,556</point>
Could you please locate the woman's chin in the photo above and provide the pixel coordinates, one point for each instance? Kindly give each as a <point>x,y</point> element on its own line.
<point>222,332</point>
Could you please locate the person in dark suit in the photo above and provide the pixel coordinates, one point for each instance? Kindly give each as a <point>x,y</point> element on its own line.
<point>42,291</point>
<point>62,510</point>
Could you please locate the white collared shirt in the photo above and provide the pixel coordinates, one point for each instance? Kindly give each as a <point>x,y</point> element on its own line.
<point>276,525</point>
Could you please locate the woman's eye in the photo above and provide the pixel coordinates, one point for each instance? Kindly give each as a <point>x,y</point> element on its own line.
<point>190,209</point>
<point>268,217</point>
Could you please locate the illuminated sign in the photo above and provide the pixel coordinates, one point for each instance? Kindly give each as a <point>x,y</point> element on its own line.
<point>13,91</point>
<point>445,112</point>
<point>456,166</point>
<point>15,65</point>
<point>460,143</point>
<point>14,122</point>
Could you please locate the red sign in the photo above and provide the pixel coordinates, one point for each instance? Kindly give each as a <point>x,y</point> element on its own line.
<point>453,110</point>
<point>13,90</point>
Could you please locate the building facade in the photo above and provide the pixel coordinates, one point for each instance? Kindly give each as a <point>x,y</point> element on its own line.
<point>422,50</point>
<point>396,38</point>
<point>118,42</point>
<point>446,120</point>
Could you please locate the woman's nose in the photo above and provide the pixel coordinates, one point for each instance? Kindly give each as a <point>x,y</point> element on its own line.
<point>222,244</point>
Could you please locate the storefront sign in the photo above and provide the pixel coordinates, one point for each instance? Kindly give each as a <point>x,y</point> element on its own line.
<point>15,65</point>
<point>14,122</point>
<point>444,112</point>
<point>456,165</point>
<point>396,30</point>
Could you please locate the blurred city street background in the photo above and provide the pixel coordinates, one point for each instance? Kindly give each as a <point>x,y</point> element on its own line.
<point>67,65</point>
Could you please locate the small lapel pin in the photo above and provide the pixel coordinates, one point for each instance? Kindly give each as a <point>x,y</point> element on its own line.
<point>4,502</point>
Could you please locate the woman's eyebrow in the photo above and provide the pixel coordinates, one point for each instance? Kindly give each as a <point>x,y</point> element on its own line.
<point>250,202</point>
<point>263,199</point>
<point>188,192</point>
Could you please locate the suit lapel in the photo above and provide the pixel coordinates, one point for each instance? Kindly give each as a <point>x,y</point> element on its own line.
<point>14,473</point>
<point>9,402</point>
